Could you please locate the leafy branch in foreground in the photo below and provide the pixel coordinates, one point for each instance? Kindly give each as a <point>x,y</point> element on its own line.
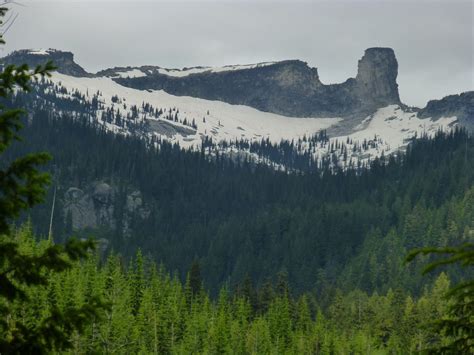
<point>458,326</point>
<point>22,186</point>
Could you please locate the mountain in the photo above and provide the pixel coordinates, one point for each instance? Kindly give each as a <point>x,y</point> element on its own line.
<point>276,101</point>
<point>246,192</point>
<point>461,106</point>
<point>290,87</point>
<point>239,218</point>
<point>64,61</point>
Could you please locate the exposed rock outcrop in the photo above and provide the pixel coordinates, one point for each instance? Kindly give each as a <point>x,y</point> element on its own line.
<point>288,87</point>
<point>461,106</point>
<point>64,61</point>
<point>377,77</point>
<point>95,206</point>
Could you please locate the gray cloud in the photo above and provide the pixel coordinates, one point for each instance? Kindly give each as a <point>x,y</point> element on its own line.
<point>433,40</point>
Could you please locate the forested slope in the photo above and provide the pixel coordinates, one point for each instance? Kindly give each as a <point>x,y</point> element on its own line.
<point>151,311</point>
<point>239,219</point>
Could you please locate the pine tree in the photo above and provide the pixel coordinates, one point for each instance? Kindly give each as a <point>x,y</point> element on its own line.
<point>22,186</point>
<point>137,281</point>
<point>259,338</point>
<point>458,325</point>
<point>195,281</point>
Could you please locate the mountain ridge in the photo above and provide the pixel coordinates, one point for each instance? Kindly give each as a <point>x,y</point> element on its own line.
<point>288,87</point>
<point>288,93</point>
<point>459,105</point>
<point>113,100</point>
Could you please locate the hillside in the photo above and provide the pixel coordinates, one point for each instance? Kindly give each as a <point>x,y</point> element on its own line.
<point>354,136</point>
<point>242,190</point>
<point>238,218</point>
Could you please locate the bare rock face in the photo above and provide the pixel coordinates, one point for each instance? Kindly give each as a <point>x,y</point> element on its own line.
<point>94,206</point>
<point>282,87</point>
<point>461,106</point>
<point>103,197</point>
<point>80,207</point>
<point>64,61</point>
<point>376,77</point>
<point>287,87</point>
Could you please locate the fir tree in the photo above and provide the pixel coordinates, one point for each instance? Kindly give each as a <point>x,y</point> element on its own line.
<point>22,186</point>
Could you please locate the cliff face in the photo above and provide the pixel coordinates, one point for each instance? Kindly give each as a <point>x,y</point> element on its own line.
<point>95,206</point>
<point>64,61</point>
<point>376,78</point>
<point>289,87</point>
<point>283,87</point>
<point>461,106</point>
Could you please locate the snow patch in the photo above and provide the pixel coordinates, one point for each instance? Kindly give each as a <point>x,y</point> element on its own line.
<point>134,73</point>
<point>38,52</point>
<point>394,127</point>
<point>199,70</point>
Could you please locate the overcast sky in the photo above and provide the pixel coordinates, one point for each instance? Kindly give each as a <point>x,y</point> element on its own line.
<point>433,40</point>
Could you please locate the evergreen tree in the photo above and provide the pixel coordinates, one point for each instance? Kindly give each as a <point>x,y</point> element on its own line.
<point>458,325</point>
<point>195,281</point>
<point>22,186</point>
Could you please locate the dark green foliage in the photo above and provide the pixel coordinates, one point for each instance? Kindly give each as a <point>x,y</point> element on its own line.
<point>311,259</point>
<point>315,255</point>
<point>22,186</point>
<point>239,219</point>
<point>195,281</point>
<point>354,322</point>
<point>458,323</point>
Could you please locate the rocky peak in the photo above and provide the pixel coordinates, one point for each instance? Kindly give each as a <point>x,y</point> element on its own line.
<point>461,106</point>
<point>377,76</point>
<point>289,87</point>
<point>64,61</point>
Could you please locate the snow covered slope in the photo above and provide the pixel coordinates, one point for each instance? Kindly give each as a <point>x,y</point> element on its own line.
<point>189,121</point>
<point>387,131</point>
<point>392,127</point>
<point>215,119</point>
